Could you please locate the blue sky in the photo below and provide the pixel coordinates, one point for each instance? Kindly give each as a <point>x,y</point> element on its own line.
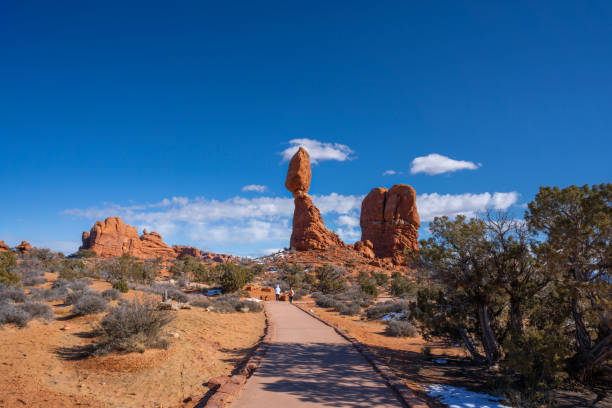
<point>163,114</point>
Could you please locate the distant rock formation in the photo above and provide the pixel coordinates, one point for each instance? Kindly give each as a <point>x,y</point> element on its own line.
<point>390,220</point>
<point>4,247</point>
<point>24,247</point>
<point>113,237</point>
<point>309,231</point>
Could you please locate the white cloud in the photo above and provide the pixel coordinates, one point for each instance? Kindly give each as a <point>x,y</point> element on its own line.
<point>434,163</point>
<point>244,225</point>
<point>389,173</point>
<point>255,187</point>
<point>436,205</point>
<point>348,221</point>
<point>318,151</point>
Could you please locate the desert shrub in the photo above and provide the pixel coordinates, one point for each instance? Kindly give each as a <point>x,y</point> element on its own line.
<point>299,294</point>
<point>79,285</point>
<point>330,279</point>
<point>233,277</point>
<point>34,281</point>
<point>400,285</point>
<point>73,269</point>
<point>85,253</point>
<point>7,260</point>
<point>252,306</point>
<point>48,295</point>
<point>38,310</point>
<point>225,304</point>
<point>368,288</point>
<point>199,301</point>
<point>132,326</point>
<point>89,303</point>
<point>326,301</point>
<point>12,293</point>
<point>258,269</point>
<point>10,313</point>
<point>121,285</point>
<point>130,269</point>
<point>348,309</point>
<point>400,328</point>
<point>381,278</point>
<point>381,309</point>
<point>177,295</point>
<point>111,294</point>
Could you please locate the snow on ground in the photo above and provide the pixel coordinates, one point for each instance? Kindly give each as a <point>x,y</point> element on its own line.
<point>392,316</point>
<point>456,397</point>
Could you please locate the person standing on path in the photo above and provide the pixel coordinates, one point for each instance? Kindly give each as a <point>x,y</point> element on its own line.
<point>291,293</point>
<point>277,292</point>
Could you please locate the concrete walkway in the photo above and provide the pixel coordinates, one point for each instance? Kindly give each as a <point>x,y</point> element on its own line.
<point>309,365</point>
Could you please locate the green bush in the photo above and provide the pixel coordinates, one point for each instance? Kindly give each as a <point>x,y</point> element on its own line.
<point>121,285</point>
<point>132,326</point>
<point>400,285</point>
<point>381,278</point>
<point>85,253</point>
<point>367,285</point>
<point>7,260</point>
<point>401,328</point>
<point>233,277</point>
<point>330,279</point>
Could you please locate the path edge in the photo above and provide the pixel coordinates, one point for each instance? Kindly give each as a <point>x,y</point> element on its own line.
<point>225,389</point>
<point>406,395</point>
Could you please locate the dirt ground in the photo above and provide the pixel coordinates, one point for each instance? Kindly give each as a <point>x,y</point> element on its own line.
<point>43,365</point>
<point>405,357</point>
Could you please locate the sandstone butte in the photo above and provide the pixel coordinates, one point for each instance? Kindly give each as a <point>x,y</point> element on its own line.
<point>112,237</point>
<point>4,247</point>
<point>390,221</point>
<point>24,247</point>
<point>309,231</point>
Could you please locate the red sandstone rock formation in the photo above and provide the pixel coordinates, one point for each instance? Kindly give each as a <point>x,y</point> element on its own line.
<point>390,220</point>
<point>24,247</point>
<point>112,237</point>
<point>364,248</point>
<point>309,231</point>
<point>4,247</point>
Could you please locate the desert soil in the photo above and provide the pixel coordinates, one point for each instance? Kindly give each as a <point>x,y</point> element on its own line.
<point>44,366</point>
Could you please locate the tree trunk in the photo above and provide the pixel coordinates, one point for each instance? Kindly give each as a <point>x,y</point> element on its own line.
<point>582,336</point>
<point>516,316</point>
<point>488,338</point>
<point>469,344</point>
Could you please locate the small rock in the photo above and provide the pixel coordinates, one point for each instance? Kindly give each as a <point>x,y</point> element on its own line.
<point>66,327</point>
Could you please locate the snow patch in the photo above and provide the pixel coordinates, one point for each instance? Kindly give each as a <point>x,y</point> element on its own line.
<point>392,316</point>
<point>456,397</point>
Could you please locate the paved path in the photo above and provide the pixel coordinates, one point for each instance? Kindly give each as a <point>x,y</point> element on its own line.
<point>309,365</point>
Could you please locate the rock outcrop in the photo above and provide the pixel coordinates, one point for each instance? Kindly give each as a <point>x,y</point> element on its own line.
<point>24,247</point>
<point>112,237</point>
<point>364,248</point>
<point>390,220</point>
<point>309,231</point>
<point>4,247</point>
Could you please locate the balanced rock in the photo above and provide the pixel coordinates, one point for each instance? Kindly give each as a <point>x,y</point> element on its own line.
<point>4,247</point>
<point>24,247</point>
<point>299,173</point>
<point>309,231</point>
<point>390,220</point>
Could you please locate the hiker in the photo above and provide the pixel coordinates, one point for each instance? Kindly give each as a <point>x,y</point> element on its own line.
<point>291,293</point>
<point>277,292</point>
